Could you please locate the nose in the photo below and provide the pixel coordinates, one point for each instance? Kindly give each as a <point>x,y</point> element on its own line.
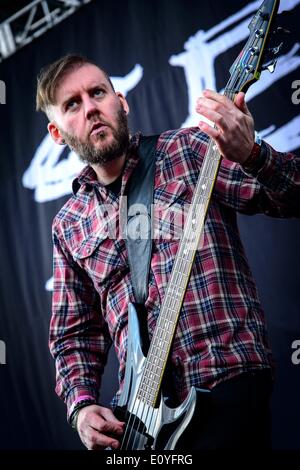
<point>90,107</point>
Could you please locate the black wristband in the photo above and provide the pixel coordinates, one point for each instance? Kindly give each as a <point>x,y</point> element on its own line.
<point>77,408</point>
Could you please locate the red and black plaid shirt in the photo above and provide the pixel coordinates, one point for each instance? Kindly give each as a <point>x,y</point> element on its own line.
<point>221,330</point>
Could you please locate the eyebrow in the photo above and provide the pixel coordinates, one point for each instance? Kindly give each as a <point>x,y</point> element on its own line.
<point>75,95</point>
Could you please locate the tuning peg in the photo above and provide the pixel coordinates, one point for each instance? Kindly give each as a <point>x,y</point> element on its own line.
<point>274,50</point>
<point>280,30</point>
<point>270,66</point>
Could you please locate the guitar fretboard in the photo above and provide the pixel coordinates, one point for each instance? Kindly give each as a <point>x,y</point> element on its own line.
<point>174,296</point>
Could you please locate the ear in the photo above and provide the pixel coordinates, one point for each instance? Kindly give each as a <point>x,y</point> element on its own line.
<point>123,102</point>
<point>55,133</point>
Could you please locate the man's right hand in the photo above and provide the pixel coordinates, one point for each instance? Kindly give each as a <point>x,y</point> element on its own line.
<point>98,428</point>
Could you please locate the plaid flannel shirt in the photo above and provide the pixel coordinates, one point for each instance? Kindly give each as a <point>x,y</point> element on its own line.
<point>221,330</point>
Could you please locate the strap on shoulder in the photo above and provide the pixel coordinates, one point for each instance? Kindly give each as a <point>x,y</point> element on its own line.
<point>139,223</point>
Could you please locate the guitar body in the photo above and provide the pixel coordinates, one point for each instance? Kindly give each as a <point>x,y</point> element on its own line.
<point>148,427</point>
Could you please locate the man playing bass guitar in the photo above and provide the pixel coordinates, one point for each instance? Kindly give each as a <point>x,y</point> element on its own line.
<point>220,343</point>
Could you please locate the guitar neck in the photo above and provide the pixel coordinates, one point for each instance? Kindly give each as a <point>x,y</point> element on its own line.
<point>167,321</point>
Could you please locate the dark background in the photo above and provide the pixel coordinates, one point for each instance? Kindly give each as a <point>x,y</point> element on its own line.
<point>119,35</point>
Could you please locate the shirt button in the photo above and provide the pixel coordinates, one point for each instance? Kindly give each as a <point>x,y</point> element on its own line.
<point>88,250</point>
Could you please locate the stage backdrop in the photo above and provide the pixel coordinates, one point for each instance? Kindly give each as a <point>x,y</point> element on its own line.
<point>160,54</point>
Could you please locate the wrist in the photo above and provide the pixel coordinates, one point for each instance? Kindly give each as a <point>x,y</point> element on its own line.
<point>254,154</point>
<point>74,418</point>
<point>252,158</point>
<point>76,409</point>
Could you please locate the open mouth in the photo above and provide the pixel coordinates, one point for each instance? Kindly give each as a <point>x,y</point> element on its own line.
<point>98,127</point>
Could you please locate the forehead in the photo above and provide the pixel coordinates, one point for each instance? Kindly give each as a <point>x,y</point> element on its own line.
<point>79,79</point>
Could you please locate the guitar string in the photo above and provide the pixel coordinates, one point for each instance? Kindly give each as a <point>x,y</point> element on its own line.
<point>178,271</point>
<point>230,93</point>
<point>143,404</point>
<point>141,418</point>
<point>135,418</point>
<point>187,235</point>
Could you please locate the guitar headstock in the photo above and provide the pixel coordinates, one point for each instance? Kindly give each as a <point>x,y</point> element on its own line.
<point>255,56</point>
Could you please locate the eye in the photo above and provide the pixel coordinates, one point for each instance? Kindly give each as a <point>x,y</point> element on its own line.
<point>98,92</point>
<point>71,105</point>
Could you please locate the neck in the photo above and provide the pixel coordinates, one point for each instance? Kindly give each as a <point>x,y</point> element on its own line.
<point>109,172</point>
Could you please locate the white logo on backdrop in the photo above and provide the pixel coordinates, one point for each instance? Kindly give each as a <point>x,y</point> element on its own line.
<point>51,178</point>
<point>201,52</point>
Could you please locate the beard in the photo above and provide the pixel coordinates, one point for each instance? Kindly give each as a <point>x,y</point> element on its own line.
<point>89,153</point>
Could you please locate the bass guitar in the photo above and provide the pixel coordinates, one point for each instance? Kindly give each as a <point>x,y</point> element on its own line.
<point>150,422</point>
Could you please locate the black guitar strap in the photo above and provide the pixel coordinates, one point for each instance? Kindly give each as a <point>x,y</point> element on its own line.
<point>139,224</point>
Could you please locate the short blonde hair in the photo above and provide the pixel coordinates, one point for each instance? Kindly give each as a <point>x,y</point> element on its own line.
<point>51,75</point>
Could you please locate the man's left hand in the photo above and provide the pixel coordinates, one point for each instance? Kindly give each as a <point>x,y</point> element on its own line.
<point>234,135</point>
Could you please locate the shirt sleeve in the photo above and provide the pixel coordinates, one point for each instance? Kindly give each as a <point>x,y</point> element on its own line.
<point>79,338</point>
<point>269,185</point>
